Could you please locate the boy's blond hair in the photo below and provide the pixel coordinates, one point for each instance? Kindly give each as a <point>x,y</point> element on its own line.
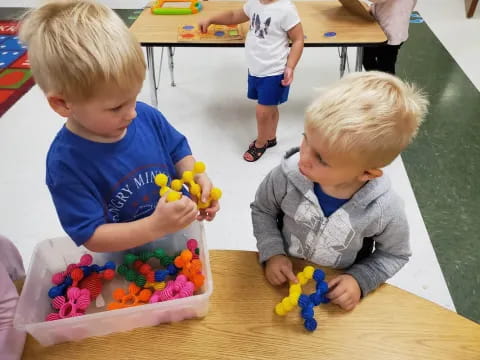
<point>372,116</point>
<point>79,47</point>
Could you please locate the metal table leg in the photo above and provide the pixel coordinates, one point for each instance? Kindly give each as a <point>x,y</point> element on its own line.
<point>359,62</point>
<point>171,65</point>
<point>151,76</point>
<point>343,60</point>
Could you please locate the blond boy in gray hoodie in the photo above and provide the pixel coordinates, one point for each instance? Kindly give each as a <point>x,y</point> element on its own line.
<point>329,201</point>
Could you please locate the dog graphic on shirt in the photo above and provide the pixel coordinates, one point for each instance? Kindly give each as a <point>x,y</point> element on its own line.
<point>260,28</point>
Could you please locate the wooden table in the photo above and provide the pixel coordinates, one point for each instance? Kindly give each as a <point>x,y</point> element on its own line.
<point>318,18</point>
<point>388,324</point>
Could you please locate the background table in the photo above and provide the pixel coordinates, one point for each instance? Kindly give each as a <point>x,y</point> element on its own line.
<point>388,324</point>
<point>318,18</point>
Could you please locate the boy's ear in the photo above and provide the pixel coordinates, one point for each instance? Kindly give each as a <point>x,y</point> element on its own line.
<point>370,174</point>
<point>59,105</point>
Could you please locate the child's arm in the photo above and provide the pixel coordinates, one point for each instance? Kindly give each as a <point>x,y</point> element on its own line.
<point>226,18</point>
<point>296,35</point>
<point>203,180</point>
<point>392,251</point>
<point>167,218</point>
<point>265,210</point>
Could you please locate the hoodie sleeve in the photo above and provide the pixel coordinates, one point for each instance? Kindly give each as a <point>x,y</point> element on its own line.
<point>392,248</point>
<point>265,210</point>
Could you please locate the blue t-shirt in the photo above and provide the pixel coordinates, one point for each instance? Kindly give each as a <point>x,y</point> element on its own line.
<point>329,204</point>
<point>95,183</point>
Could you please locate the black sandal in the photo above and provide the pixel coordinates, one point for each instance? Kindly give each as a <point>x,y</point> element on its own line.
<point>255,152</point>
<point>270,143</point>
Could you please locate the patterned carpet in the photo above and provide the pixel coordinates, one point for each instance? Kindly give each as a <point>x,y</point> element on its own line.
<point>15,75</point>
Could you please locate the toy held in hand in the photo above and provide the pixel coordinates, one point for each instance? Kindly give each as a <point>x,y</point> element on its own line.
<point>174,191</point>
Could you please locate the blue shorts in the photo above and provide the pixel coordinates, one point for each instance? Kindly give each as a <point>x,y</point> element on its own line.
<point>267,90</point>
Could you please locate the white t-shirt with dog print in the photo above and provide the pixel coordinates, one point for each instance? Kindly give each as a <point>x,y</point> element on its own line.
<point>267,43</point>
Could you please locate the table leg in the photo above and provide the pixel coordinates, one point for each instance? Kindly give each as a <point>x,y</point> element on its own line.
<point>470,6</point>
<point>151,76</point>
<point>171,65</point>
<point>359,62</point>
<point>343,60</point>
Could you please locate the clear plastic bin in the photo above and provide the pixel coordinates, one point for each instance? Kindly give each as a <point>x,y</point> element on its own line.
<point>53,255</point>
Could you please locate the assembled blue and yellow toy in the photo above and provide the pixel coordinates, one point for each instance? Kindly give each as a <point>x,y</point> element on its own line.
<point>306,302</point>
<point>176,7</point>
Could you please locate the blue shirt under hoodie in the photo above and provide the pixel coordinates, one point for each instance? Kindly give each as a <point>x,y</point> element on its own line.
<point>95,183</point>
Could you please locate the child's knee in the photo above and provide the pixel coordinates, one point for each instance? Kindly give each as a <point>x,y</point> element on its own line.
<point>265,112</point>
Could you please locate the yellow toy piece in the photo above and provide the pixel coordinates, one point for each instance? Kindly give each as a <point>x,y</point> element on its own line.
<point>308,272</point>
<point>155,285</point>
<point>188,178</point>
<point>302,279</point>
<point>279,310</point>
<point>162,181</point>
<point>215,194</point>
<point>289,302</point>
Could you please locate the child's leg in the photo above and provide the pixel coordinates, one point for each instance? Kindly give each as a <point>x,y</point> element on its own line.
<point>267,121</point>
<point>11,267</point>
<point>270,93</point>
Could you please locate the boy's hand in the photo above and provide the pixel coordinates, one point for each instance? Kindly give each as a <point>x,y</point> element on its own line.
<point>287,76</point>
<point>203,25</point>
<point>344,291</point>
<point>170,217</point>
<point>209,213</point>
<point>278,270</point>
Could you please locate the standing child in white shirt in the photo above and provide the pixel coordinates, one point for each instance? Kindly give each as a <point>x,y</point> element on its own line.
<point>270,61</point>
<point>394,18</point>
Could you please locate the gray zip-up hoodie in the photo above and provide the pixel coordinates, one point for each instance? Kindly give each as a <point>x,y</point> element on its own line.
<point>373,211</point>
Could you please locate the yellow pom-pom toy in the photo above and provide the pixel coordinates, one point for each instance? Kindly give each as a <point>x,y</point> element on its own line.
<point>188,178</point>
<point>172,194</point>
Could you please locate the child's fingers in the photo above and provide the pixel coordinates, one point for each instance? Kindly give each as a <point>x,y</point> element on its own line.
<point>288,273</point>
<point>186,207</point>
<point>210,216</point>
<point>190,216</point>
<point>279,277</point>
<point>350,305</point>
<point>336,292</point>
<point>206,189</point>
<point>214,207</point>
<point>272,279</point>
<point>163,200</point>
<point>332,283</point>
<point>342,300</point>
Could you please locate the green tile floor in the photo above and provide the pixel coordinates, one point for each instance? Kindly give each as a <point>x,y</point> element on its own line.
<point>443,163</point>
